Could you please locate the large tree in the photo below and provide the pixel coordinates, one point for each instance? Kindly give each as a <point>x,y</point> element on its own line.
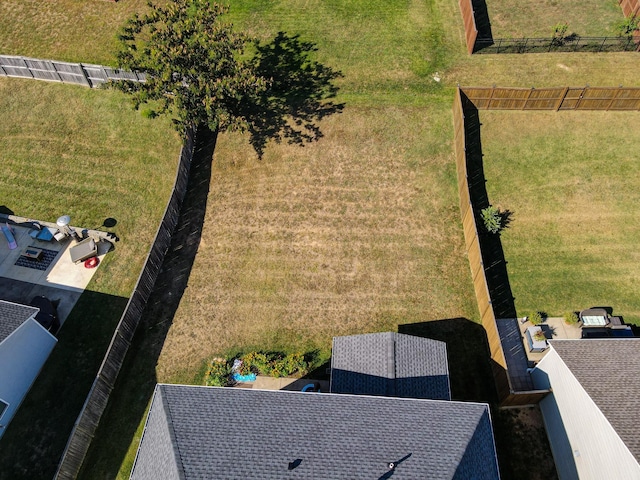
<point>197,71</point>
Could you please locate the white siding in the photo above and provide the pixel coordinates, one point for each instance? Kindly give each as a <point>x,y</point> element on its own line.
<point>584,443</point>
<point>22,356</point>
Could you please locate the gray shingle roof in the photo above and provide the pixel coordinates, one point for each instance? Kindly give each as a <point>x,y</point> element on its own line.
<point>244,433</point>
<point>608,371</point>
<point>390,364</point>
<point>12,315</point>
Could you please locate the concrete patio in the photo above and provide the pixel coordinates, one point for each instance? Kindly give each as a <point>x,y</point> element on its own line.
<point>554,328</point>
<point>284,383</point>
<point>61,281</point>
<point>516,350</point>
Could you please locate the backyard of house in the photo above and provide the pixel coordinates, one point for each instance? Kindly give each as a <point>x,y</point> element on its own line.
<point>590,18</point>
<point>359,232</point>
<point>72,150</point>
<point>571,180</point>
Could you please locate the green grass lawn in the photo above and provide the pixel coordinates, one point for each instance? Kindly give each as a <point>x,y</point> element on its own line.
<point>70,30</point>
<point>572,180</point>
<point>357,233</point>
<point>86,153</point>
<point>587,18</point>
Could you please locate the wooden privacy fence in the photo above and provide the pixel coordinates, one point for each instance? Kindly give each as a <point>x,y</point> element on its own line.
<point>630,7</point>
<point>96,402</point>
<point>559,98</point>
<point>468,18</point>
<point>465,148</point>
<point>54,71</point>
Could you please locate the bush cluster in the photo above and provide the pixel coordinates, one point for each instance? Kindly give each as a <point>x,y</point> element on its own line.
<point>272,364</point>
<point>536,318</point>
<point>571,318</point>
<point>219,373</point>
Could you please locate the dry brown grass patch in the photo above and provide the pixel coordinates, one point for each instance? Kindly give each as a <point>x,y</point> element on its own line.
<point>357,233</point>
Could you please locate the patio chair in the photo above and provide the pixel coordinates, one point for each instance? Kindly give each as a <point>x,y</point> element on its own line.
<point>87,248</point>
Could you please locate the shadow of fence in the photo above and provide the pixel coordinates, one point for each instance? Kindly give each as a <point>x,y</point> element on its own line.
<point>494,262</point>
<point>545,45</point>
<point>156,262</point>
<point>137,379</point>
<point>484,250</point>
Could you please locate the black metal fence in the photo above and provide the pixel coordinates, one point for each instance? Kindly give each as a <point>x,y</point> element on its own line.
<point>96,402</point>
<point>543,45</point>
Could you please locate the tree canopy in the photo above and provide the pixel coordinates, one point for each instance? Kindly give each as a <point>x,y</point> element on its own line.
<point>198,71</point>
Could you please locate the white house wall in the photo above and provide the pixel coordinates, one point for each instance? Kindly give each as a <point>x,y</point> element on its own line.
<point>584,443</point>
<point>22,356</point>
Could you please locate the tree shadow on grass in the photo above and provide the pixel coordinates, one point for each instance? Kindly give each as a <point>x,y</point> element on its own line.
<point>137,379</point>
<point>298,95</point>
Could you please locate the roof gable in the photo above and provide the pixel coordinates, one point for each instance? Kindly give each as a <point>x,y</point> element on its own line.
<point>158,452</point>
<point>12,315</point>
<point>608,370</point>
<point>390,364</point>
<point>242,433</point>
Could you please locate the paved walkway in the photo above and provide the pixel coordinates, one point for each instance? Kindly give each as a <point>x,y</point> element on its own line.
<point>515,354</point>
<point>286,383</point>
<point>516,350</point>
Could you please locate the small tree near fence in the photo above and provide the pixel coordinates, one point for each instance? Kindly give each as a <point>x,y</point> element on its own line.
<point>628,26</point>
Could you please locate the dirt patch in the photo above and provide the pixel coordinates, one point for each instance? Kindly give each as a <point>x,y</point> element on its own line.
<point>522,444</point>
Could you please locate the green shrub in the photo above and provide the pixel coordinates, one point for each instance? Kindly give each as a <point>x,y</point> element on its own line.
<point>560,31</point>
<point>218,374</point>
<point>627,26</point>
<point>272,364</point>
<point>293,363</point>
<point>492,219</point>
<point>540,336</point>
<point>254,362</point>
<point>571,318</point>
<point>536,318</point>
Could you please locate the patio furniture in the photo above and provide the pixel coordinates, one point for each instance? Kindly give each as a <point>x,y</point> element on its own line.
<point>535,345</point>
<point>594,318</point>
<point>32,253</point>
<point>45,234</point>
<point>8,234</point>
<point>83,250</point>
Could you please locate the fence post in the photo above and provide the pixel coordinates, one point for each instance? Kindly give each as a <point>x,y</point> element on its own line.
<point>53,64</point>
<point>563,95</point>
<point>526,100</point>
<point>85,75</point>
<point>613,98</point>
<point>24,64</point>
